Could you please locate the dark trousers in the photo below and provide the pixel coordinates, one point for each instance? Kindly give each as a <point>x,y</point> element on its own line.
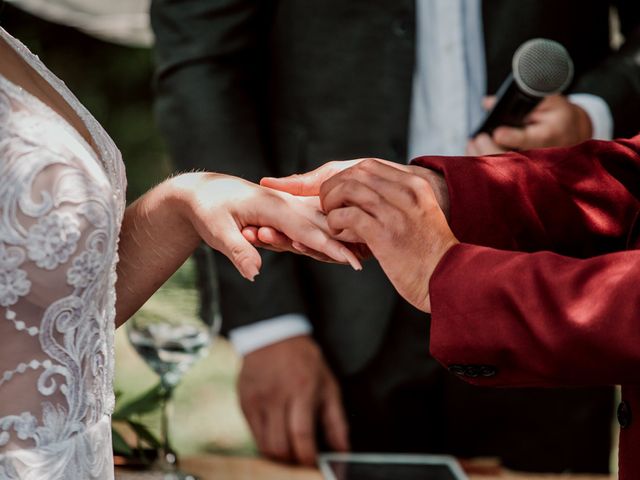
<point>404,401</point>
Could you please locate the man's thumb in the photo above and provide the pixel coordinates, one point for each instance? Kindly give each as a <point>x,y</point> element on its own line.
<point>306,184</point>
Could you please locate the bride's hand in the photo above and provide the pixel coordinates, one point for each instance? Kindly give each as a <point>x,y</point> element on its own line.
<point>271,239</point>
<point>225,210</point>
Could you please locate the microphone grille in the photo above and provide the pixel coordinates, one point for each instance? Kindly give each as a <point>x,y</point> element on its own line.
<point>542,67</point>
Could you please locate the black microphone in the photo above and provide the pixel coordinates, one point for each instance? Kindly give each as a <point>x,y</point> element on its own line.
<point>540,67</point>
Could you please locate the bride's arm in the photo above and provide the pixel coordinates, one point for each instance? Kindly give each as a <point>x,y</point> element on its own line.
<point>163,227</point>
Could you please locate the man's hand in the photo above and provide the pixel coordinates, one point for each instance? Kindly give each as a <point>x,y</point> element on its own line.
<point>308,184</point>
<point>396,214</point>
<point>556,122</point>
<point>285,390</point>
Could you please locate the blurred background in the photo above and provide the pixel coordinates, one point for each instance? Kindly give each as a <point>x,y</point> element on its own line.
<point>110,70</point>
<point>106,60</point>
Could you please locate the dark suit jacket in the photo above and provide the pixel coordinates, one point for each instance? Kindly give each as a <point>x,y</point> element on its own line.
<point>260,88</point>
<point>565,315</point>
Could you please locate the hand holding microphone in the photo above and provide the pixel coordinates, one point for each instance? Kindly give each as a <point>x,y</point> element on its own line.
<point>529,110</point>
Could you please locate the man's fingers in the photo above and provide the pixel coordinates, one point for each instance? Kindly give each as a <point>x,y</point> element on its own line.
<point>255,421</point>
<point>482,145</point>
<point>307,184</point>
<point>488,102</point>
<point>334,421</point>
<point>364,167</point>
<point>534,135</point>
<point>301,430</point>
<point>487,145</point>
<point>354,224</point>
<point>275,432</point>
<point>471,149</point>
<point>352,192</point>
<point>374,187</point>
<point>510,137</point>
<point>349,236</point>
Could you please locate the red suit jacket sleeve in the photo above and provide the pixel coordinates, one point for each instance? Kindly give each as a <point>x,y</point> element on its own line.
<point>545,288</point>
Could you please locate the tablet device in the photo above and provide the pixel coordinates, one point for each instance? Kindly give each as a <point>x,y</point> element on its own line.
<point>382,466</point>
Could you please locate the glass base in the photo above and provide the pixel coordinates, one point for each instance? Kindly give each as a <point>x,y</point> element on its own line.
<point>154,474</point>
<point>178,475</point>
<point>168,469</point>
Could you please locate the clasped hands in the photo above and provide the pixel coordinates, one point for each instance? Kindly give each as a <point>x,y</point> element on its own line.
<point>396,213</point>
<point>341,212</point>
<point>345,211</point>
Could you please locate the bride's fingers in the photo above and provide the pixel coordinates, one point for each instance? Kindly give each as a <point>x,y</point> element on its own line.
<point>316,239</point>
<point>297,221</point>
<point>299,224</point>
<point>274,238</point>
<point>304,250</point>
<point>270,239</point>
<point>251,235</point>
<point>229,240</point>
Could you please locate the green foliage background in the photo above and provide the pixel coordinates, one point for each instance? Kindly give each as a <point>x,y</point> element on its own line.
<point>112,81</point>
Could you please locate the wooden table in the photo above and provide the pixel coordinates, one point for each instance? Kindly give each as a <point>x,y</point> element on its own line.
<point>217,467</point>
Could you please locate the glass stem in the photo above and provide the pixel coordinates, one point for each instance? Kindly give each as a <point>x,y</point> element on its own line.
<point>169,458</point>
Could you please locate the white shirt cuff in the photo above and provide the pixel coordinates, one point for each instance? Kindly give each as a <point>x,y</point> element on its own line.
<point>266,332</point>
<point>599,113</point>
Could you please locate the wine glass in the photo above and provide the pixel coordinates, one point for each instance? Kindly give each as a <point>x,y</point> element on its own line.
<point>171,332</point>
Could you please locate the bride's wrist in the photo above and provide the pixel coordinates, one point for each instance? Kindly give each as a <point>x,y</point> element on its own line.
<point>179,202</point>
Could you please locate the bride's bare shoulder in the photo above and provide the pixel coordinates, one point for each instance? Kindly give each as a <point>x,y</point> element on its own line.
<point>16,70</point>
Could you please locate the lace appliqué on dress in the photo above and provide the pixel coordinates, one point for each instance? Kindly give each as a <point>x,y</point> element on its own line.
<point>13,280</point>
<point>60,210</point>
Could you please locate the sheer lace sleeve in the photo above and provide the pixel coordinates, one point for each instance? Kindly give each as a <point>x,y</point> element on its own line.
<point>58,236</point>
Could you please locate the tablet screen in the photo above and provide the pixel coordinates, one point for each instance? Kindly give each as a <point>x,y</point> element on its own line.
<point>385,467</point>
<point>385,471</point>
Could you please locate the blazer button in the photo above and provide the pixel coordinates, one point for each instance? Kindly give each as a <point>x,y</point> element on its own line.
<point>472,371</point>
<point>624,414</point>
<point>488,370</point>
<point>459,370</point>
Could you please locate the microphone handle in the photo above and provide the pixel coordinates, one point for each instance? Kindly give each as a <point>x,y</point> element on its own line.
<point>511,107</point>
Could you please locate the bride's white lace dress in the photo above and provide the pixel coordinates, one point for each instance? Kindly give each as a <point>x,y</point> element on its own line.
<point>61,204</point>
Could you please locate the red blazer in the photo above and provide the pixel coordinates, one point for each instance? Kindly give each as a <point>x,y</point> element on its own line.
<point>545,288</point>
